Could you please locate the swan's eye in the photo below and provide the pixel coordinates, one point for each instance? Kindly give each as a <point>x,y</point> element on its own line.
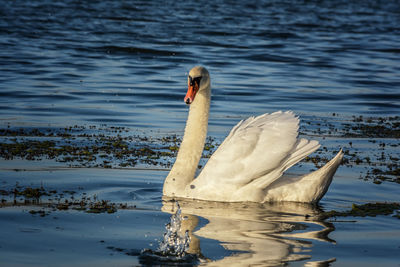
<point>193,81</point>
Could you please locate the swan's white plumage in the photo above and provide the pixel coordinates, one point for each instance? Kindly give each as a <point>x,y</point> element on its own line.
<point>255,154</point>
<point>249,164</point>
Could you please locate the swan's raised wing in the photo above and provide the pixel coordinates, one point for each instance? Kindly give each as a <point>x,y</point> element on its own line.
<point>256,152</point>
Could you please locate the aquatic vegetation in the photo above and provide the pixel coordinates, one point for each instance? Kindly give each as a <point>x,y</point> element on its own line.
<point>30,192</point>
<point>376,127</point>
<point>41,213</point>
<point>368,209</point>
<point>101,207</point>
<point>52,200</point>
<point>80,146</point>
<point>372,145</point>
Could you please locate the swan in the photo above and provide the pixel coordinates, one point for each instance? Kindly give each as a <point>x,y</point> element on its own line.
<point>249,164</point>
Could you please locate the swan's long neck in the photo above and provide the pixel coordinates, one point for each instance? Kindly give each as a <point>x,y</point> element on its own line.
<point>191,149</point>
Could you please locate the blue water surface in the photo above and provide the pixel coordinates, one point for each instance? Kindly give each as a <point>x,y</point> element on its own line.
<point>124,62</point>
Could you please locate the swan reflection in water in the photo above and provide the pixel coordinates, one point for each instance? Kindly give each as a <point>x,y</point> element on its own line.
<point>267,234</point>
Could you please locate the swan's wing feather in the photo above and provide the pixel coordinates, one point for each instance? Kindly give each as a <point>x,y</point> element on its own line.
<point>253,148</point>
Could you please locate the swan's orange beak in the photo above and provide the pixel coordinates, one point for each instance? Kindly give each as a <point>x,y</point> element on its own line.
<point>193,88</point>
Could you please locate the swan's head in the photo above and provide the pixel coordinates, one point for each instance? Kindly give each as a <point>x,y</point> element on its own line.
<point>198,81</point>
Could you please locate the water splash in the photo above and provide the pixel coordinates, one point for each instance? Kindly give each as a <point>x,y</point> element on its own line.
<point>175,246</point>
<point>175,243</point>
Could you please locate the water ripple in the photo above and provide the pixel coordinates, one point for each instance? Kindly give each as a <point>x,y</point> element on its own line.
<point>128,56</point>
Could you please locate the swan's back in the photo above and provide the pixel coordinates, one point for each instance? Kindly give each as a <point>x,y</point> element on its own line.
<point>255,154</point>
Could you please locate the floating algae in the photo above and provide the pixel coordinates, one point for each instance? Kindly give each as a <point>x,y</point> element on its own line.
<point>52,200</point>
<point>368,209</point>
<point>83,147</point>
<point>369,143</point>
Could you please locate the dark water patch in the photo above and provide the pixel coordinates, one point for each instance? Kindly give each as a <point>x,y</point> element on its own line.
<point>163,97</point>
<point>276,35</point>
<point>378,96</point>
<point>92,112</point>
<point>243,93</point>
<point>316,96</point>
<point>379,105</point>
<point>123,122</point>
<point>216,33</point>
<point>137,50</point>
<point>30,230</point>
<point>48,97</point>
<point>265,57</point>
<point>388,50</point>
<point>219,63</point>
<point>163,81</point>
<point>376,83</point>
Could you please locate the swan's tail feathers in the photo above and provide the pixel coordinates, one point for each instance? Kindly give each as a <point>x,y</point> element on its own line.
<point>321,179</point>
<point>302,149</point>
<point>309,188</point>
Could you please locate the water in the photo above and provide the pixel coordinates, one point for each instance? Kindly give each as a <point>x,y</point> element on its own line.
<point>121,63</point>
<point>124,64</point>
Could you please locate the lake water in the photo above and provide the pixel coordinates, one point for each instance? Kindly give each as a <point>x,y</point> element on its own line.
<point>114,64</point>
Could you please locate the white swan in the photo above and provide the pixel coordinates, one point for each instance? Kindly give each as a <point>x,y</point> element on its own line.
<point>249,164</point>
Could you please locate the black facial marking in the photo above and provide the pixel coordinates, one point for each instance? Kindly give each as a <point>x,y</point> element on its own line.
<point>195,80</point>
